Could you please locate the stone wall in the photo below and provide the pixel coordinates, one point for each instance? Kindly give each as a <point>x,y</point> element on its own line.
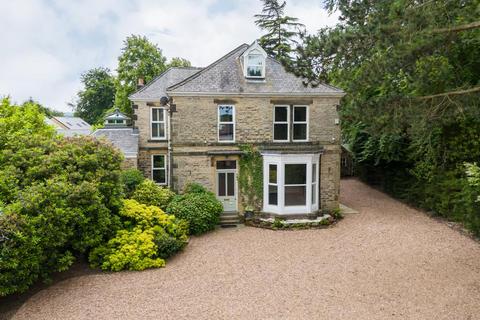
<point>195,121</point>
<point>129,163</point>
<point>142,113</point>
<point>330,178</point>
<point>145,161</point>
<point>194,137</point>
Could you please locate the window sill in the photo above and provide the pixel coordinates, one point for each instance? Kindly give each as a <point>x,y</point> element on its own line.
<point>290,141</point>
<point>157,140</point>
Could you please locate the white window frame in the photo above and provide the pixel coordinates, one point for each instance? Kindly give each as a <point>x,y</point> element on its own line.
<point>164,137</point>
<point>271,184</point>
<point>294,122</point>
<point>226,122</point>
<point>164,168</point>
<point>281,122</point>
<point>280,160</point>
<point>246,63</point>
<point>314,185</point>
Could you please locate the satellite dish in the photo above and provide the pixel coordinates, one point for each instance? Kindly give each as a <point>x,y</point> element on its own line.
<point>163,101</point>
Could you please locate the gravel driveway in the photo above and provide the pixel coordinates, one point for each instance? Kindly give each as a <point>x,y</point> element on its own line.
<point>387,262</point>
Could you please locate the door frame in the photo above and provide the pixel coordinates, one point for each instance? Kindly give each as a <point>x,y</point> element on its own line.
<point>235,185</point>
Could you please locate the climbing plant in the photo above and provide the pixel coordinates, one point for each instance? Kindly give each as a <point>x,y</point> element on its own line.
<point>251,177</point>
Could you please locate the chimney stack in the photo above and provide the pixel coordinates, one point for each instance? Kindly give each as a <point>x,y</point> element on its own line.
<point>140,83</point>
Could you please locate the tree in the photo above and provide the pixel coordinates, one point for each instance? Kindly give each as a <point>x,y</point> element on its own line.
<point>282,30</point>
<point>49,112</point>
<point>179,62</point>
<point>139,59</point>
<point>411,72</point>
<point>97,95</point>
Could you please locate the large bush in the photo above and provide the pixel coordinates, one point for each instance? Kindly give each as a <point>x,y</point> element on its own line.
<point>60,197</point>
<point>201,209</point>
<point>131,179</point>
<point>150,237</point>
<point>149,193</point>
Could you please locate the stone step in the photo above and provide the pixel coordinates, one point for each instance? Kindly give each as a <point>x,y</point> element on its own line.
<point>230,218</point>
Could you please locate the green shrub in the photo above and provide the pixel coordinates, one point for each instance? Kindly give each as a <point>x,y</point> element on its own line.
<point>20,255</point>
<point>131,250</point>
<point>149,193</point>
<point>201,210</point>
<point>151,237</point>
<point>60,197</point>
<point>195,188</point>
<point>131,178</point>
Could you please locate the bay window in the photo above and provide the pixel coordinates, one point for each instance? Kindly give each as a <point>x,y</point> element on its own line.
<point>157,123</point>
<point>226,123</point>
<point>290,183</point>
<point>290,123</point>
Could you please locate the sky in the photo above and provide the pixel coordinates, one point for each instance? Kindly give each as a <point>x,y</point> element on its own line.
<point>48,44</point>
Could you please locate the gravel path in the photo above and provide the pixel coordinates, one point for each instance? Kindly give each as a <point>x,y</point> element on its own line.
<point>387,262</point>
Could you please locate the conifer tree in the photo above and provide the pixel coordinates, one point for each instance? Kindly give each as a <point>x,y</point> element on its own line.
<point>281,30</point>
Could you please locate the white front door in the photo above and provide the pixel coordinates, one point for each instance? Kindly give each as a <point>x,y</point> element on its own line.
<point>227,185</point>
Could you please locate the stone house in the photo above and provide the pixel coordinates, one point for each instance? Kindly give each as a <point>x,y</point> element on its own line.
<point>192,123</point>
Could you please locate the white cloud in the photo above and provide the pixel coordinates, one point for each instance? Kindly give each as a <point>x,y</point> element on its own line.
<point>47,44</point>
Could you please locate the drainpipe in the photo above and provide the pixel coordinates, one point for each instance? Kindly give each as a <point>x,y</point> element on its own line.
<point>170,108</point>
<point>169,148</point>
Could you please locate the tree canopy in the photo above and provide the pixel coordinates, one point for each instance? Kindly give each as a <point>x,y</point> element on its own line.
<point>412,77</point>
<point>178,62</point>
<point>139,59</point>
<point>97,95</point>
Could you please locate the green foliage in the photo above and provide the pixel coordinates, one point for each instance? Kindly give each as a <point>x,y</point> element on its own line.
<point>392,58</point>
<point>201,209</point>
<point>130,250</point>
<point>20,255</point>
<point>150,237</point>
<point>277,223</point>
<point>281,30</point>
<point>19,121</point>
<point>336,214</point>
<point>59,197</point>
<point>139,59</point>
<point>131,179</point>
<point>178,62</point>
<point>48,112</point>
<point>97,95</point>
<point>251,178</point>
<point>195,188</point>
<point>149,193</point>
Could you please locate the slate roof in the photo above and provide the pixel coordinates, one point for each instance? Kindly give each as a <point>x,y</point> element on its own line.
<point>156,88</point>
<point>70,126</point>
<point>225,76</point>
<point>124,139</point>
<point>73,123</point>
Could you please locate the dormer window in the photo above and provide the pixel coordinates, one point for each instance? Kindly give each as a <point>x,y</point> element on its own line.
<point>255,65</point>
<point>254,62</point>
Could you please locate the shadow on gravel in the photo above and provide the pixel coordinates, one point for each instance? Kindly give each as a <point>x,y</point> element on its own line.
<point>10,304</point>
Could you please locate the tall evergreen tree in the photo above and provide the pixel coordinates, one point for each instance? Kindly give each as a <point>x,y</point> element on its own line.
<point>281,31</point>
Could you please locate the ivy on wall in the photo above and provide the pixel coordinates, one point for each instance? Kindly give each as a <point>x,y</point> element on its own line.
<point>251,178</point>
